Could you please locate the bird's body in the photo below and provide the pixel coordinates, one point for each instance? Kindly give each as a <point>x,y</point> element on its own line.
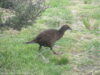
<point>48,37</point>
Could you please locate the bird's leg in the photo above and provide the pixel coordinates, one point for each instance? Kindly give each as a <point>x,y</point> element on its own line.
<point>40,47</point>
<point>52,50</point>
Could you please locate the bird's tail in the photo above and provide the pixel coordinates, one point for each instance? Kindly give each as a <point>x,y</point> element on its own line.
<point>30,42</point>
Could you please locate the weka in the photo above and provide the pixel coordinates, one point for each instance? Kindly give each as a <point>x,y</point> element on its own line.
<point>48,37</point>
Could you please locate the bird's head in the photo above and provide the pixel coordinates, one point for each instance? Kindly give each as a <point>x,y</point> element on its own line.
<point>64,28</point>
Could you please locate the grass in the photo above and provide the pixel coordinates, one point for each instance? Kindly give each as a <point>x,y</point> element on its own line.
<point>80,48</point>
<point>20,58</point>
<point>59,3</point>
<point>56,14</point>
<point>17,57</point>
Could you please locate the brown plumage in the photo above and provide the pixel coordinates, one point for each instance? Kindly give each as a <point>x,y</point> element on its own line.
<point>48,37</point>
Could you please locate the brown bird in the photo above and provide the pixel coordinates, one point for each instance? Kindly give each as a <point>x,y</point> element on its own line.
<point>48,37</point>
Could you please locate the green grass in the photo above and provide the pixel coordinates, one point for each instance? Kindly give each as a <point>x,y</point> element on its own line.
<point>17,57</point>
<point>20,58</point>
<point>59,3</point>
<point>79,48</point>
<point>56,14</point>
<point>90,17</point>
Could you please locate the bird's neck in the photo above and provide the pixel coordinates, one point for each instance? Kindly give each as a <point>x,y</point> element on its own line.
<point>61,31</point>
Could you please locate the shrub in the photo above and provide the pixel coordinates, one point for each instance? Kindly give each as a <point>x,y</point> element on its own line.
<point>25,13</point>
<point>7,4</point>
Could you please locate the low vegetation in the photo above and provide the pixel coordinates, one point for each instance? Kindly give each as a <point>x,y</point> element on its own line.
<point>79,49</point>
